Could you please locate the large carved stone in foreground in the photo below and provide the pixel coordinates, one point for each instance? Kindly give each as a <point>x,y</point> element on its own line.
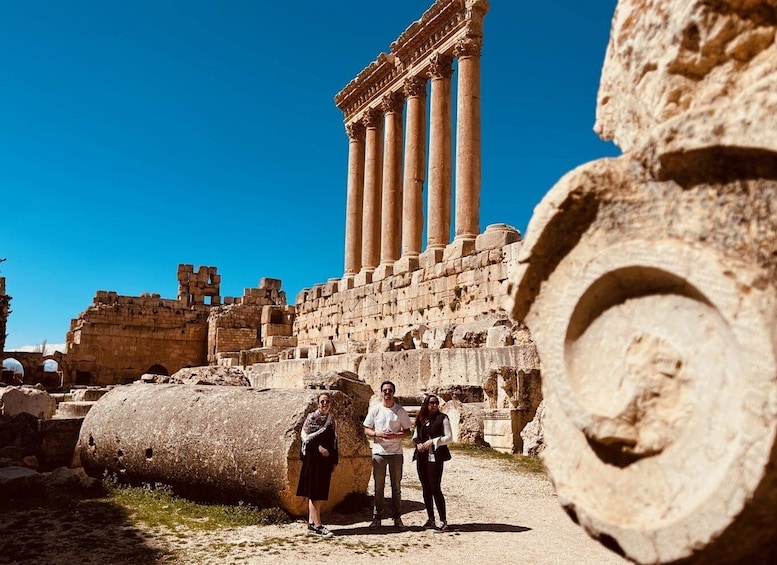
<point>225,443</point>
<point>652,305</point>
<point>670,59</point>
<point>649,283</point>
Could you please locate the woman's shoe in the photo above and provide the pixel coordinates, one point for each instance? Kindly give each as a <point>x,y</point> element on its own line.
<point>442,527</point>
<point>430,524</point>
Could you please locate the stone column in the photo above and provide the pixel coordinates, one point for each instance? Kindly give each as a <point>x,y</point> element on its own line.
<point>391,216</point>
<point>373,161</point>
<point>440,156</point>
<point>467,147</point>
<point>353,222</point>
<point>414,175</point>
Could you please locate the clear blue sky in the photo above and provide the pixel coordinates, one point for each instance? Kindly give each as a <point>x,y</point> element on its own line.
<point>139,135</point>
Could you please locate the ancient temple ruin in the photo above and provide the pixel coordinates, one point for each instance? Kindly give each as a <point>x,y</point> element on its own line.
<point>384,218</point>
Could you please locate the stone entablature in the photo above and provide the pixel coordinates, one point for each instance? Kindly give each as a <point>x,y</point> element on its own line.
<point>451,292</point>
<point>444,24</point>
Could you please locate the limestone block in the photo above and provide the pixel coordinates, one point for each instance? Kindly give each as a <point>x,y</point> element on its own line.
<point>532,435</point>
<point>652,301</point>
<point>74,409</point>
<point>499,336</point>
<point>680,57</point>
<point>17,399</point>
<point>89,394</point>
<point>222,443</point>
<point>466,421</point>
<point>346,381</point>
<point>438,338</point>
<point>280,341</point>
<point>18,481</point>
<point>500,430</point>
<point>210,375</point>
<point>65,478</point>
<point>496,236</point>
<point>269,284</point>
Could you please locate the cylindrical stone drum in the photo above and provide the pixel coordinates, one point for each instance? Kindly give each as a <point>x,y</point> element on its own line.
<point>219,443</point>
<point>653,306</point>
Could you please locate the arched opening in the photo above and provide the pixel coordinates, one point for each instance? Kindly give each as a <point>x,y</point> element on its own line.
<point>13,371</point>
<point>158,370</point>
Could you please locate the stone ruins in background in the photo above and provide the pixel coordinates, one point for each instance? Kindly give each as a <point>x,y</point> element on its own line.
<point>431,320</point>
<point>649,283</point>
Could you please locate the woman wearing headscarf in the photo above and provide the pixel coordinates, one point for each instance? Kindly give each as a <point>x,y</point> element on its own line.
<point>431,436</point>
<point>319,457</point>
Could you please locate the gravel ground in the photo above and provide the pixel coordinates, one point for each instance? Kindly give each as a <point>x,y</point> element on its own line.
<point>497,514</point>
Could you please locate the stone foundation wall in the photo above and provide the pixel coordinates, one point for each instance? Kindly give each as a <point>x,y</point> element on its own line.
<point>414,371</point>
<point>447,293</point>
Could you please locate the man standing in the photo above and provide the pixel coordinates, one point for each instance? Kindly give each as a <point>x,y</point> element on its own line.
<point>387,423</point>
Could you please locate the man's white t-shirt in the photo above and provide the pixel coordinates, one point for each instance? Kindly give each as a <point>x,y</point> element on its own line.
<point>393,419</point>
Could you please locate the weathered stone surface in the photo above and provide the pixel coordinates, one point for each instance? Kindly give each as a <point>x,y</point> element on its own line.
<point>533,434</point>
<point>74,409</point>
<point>14,400</point>
<point>228,443</point>
<point>210,375</point>
<point>666,59</point>
<point>90,394</point>
<point>67,478</point>
<point>466,421</point>
<point>346,381</point>
<point>18,481</point>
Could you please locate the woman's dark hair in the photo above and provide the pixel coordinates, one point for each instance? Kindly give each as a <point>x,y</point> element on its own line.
<point>423,413</point>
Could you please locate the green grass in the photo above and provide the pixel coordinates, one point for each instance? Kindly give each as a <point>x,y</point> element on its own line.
<point>518,461</point>
<point>156,505</point>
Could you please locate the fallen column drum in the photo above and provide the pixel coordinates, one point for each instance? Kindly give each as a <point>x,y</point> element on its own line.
<point>650,290</point>
<point>219,443</point>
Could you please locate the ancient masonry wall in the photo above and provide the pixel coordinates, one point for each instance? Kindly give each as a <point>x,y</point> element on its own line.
<point>119,338</point>
<point>451,292</point>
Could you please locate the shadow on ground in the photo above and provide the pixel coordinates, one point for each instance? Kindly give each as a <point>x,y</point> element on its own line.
<point>59,528</point>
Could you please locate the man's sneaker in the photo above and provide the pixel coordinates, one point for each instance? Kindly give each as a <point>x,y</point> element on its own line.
<point>442,528</point>
<point>311,528</point>
<point>323,532</point>
<point>375,524</point>
<point>430,524</point>
<point>398,524</point>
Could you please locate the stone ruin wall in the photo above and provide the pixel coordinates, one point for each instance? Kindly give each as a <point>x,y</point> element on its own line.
<point>119,338</point>
<point>445,294</point>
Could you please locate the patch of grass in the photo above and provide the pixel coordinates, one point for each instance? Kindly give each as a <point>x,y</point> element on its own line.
<point>156,505</point>
<point>518,461</point>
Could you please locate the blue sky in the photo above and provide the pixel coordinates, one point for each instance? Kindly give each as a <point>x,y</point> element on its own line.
<point>139,135</point>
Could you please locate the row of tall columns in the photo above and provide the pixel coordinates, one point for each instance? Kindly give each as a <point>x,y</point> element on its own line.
<point>384,202</point>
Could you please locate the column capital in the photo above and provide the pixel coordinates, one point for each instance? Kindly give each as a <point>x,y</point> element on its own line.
<point>468,47</point>
<point>392,103</point>
<point>441,66</point>
<point>355,131</point>
<point>372,118</point>
<point>414,86</point>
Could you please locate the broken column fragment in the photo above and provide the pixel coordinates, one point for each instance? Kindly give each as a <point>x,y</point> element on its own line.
<point>219,443</point>
<point>649,283</point>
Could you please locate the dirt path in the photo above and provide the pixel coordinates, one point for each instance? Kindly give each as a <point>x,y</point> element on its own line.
<point>497,515</point>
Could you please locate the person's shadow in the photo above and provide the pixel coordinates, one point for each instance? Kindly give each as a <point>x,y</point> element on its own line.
<point>388,528</point>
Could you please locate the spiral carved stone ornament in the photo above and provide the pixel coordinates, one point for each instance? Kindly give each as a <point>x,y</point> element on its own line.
<point>372,118</point>
<point>414,86</point>
<point>653,306</point>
